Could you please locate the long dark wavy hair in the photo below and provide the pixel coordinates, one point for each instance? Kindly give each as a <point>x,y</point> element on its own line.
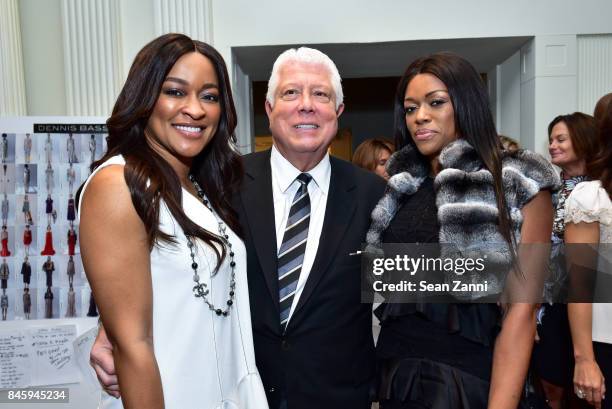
<point>600,166</point>
<point>473,120</point>
<point>150,179</point>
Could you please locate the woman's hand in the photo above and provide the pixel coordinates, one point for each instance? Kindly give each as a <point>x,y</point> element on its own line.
<point>588,379</point>
<point>589,383</point>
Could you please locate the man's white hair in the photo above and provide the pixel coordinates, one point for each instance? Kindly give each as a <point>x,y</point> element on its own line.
<point>305,55</point>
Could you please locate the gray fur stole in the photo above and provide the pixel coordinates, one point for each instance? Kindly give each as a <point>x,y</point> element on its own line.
<point>465,197</point>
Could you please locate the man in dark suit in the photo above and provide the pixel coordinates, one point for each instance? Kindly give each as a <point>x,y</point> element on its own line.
<point>304,216</point>
<point>322,356</point>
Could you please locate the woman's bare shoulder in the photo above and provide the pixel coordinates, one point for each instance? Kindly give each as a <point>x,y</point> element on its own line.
<point>107,195</point>
<point>107,179</point>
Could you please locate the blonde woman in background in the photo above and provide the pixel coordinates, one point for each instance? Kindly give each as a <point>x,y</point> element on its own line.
<point>509,144</point>
<point>372,154</point>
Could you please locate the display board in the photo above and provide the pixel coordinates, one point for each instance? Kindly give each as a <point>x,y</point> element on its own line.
<point>41,269</point>
<point>45,299</point>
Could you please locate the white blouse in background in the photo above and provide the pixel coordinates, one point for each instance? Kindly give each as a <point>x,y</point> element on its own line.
<point>589,203</point>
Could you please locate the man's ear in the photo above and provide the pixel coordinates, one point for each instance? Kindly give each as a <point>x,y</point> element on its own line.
<point>268,108</point>
<point>340,110</point>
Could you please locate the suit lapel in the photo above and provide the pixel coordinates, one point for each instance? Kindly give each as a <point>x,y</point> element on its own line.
<point>258,204</point>
<point>339,210</point>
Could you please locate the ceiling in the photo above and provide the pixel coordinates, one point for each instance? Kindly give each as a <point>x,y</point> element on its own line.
<point>363,60</point>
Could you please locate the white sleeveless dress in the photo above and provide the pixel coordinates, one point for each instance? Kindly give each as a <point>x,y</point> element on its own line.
<point>205,361</point>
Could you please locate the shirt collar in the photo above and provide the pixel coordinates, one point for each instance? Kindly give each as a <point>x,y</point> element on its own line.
<point>285,173</point>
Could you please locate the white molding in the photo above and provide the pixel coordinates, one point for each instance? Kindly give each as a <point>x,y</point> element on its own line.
<point>528,61</point>
<point>242,93</point>
<point>594,70</point>
<point>548,86</point>
<point>498,98</point>
<point>92,55</point>
<point>190,17</point>
<point>12,83</point>
<point>556,55</point>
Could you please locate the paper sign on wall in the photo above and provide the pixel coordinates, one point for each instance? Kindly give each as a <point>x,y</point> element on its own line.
<point>15,360</point>
<point>38,356</point>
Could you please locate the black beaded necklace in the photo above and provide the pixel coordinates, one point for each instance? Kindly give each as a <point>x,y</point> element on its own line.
<point>200,290</point>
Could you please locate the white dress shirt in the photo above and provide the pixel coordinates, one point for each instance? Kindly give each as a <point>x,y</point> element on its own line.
<point>284,188</point>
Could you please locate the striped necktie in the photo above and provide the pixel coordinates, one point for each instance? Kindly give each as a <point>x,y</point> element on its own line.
<point>293,247</point>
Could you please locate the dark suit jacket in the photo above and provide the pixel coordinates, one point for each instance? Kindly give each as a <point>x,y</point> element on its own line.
<point>325,358</point>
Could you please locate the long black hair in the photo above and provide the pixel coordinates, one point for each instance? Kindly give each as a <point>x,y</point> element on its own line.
<point>473,120</point>
<point>150,179</point>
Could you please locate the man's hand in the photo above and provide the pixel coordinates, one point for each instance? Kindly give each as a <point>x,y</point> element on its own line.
<point>101,359</point>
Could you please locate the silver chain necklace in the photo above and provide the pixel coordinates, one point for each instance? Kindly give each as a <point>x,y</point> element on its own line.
<point>200,290</point>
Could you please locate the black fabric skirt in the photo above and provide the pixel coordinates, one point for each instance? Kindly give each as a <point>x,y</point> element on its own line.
<point>425,359</point>
<point>603,356</point>
<point>553,355</point>
<point>421,383</point>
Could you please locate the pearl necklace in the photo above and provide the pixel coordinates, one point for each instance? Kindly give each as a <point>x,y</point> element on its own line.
<point>200,290</point>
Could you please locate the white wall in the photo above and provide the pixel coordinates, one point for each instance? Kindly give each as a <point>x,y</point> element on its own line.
<point>43,56</point>
<point>270,22</point>
<point>528,109</point>
<point>137,29</point>
<point>242,94</point>
<point>594,70</point>
<point>548,86</point>
<point>92,55</point>
<point>273,22</point>
<point>493,88</point>
<point>509,88</point>
<point>12,84</point>
<point>264,22</point>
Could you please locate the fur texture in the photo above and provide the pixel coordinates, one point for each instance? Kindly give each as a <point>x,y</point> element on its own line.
<point>467,210</point>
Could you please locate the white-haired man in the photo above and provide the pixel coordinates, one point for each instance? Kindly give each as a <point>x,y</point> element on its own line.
<point>320,353</point>
<point>303,214</point>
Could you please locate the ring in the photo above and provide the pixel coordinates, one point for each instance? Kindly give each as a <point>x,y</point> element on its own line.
<point>580,394</point>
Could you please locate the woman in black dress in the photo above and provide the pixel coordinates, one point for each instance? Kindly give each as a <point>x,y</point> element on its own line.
<point>451,183</point>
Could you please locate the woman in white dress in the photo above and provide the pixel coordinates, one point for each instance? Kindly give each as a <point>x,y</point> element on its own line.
<point>588,215</point>
<point>160,243</point>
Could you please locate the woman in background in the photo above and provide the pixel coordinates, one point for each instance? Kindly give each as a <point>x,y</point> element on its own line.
<point>599,113</point>
<point>372,155</point>
<point>588,215</point>
<point>446,186</point>
<point>572,140</point>
<point>159,239</point>
<point>509,144</point>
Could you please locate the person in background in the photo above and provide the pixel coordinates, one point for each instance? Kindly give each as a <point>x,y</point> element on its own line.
<point>588,215</point>
<point>509,144</point>
<point>572,140</point>
<point>372,154</point>
<point>599,113</point>
<point>470,355</point>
